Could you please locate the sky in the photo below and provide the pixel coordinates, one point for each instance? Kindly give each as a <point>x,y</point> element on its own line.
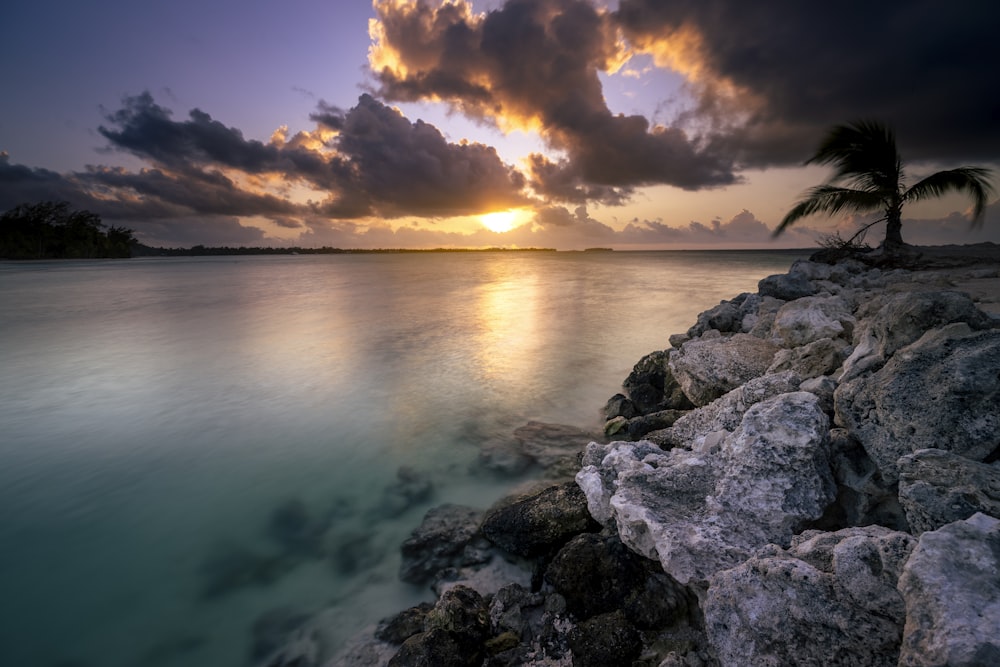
<point>470,123</point>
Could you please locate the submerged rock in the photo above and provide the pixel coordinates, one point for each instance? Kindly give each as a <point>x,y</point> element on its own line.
<point>439,542</point>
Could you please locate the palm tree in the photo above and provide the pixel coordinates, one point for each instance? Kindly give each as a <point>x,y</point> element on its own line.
<point>869,177</point>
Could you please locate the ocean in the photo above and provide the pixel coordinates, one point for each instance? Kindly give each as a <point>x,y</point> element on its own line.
<point>191,448</point>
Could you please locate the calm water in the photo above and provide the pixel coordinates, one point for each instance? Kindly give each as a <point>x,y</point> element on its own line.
<point>154,413</point>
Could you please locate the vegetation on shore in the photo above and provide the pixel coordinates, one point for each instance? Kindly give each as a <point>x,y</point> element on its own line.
<point>52,230</point>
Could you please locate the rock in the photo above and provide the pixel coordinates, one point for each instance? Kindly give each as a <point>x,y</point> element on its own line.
<point>952,594</point>
<point>608,639</point>
<point>863,496</point>
<point>942,392</point>
<point>898,320</point>
<point>815,359</point>
<point>438,542</point>
<point>937,488</point>
<point>486,578</point>
<point>785,286</point>
<point>637,427</point>
<point>619,406</point>
<point>722,416</point>
<point>709,367</point>
<point>541,523</point>
<point>405,624</point>
<point>510,610</point>
<point>830,599</point>
<point>614,426</point>
<point>436,648</point>
<point>809,319</point>
<point>699,513</point>
<point>727,317</point>
<point>504,456</point>
<point>552,445</point>
<point>651,385</point>
<point>463,614</point>
<point>292,527</point>
<point>410,488</point>
<point>598,574</point>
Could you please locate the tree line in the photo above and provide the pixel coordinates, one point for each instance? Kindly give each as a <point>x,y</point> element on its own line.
<point>52,230</point>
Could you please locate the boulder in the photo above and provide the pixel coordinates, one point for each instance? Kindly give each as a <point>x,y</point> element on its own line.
<point>727,317</point>
<point>397,629</point>
<point>952,595</point>
<point>439,542</point>
<point>942,391</point>
<point>710,366</point>
<point>637,427</point>
<point>699,513</point>
<point>829,599</point>
<point>619,406</point>
<point>651,386</point>
<point>598,574</point>
<point>541,523</point>
<point>815,359</point>
<point>937,488</point>
<point>608,639</point>
<point>897,320</point>
<point>809,319</point>
<point>722,416</point>
<point>786,286</point>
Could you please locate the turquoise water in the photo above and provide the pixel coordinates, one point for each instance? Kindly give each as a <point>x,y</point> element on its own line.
<point>156,412</point>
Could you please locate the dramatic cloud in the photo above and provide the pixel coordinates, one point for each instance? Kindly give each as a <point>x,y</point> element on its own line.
<point>772,76</point>
<point>368,161</point>
<point>534,64</point>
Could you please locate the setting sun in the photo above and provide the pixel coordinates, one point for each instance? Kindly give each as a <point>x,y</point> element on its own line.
<point>499,221</point>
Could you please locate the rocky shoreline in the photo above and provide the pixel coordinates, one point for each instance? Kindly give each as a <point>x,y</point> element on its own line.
<point>810,475</point>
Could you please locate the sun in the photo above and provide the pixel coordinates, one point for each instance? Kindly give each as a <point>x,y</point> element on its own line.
<point>499,221</point>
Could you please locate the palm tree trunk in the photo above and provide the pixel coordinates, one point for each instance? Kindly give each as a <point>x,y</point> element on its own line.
<point>893,229</point>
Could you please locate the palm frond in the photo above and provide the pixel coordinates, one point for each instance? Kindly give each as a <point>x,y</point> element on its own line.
<point>831,199</point>
<point>974,181</point>
<point>862,153</point>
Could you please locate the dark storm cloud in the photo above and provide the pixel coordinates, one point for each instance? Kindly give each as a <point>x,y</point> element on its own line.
<point>535,63</point>
<point>926,67</point>
<point>410,168</point>
<point>374,162</point>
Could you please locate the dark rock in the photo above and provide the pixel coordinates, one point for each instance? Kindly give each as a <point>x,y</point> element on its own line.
<point>651,385</point>
<point>640,426</point>
<point>552,446</point>
<point>727,317</point>
<point>598,574</point>
<point>541,523</point>
<point>438,542</point>
<point>436,648</point>
<point>937,488</point>
<point>619,406</point>
<point>786,287</point>
<point>605,641</point>
<point>464,614</point>
<point>403,625</point>
<point>230,568</point>
<point>410,488</point>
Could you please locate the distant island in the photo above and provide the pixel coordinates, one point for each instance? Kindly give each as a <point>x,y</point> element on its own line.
<point>52,230</point>
<point>140,250</point>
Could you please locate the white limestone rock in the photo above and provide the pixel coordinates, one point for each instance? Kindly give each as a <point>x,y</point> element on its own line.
<point>942,391</point>
<point>710,366</point>
<point>829,599</point>
<point>809,319</point>
<point>698,512</point>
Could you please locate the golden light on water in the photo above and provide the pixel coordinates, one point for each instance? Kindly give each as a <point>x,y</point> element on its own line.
<point>499,221</point>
